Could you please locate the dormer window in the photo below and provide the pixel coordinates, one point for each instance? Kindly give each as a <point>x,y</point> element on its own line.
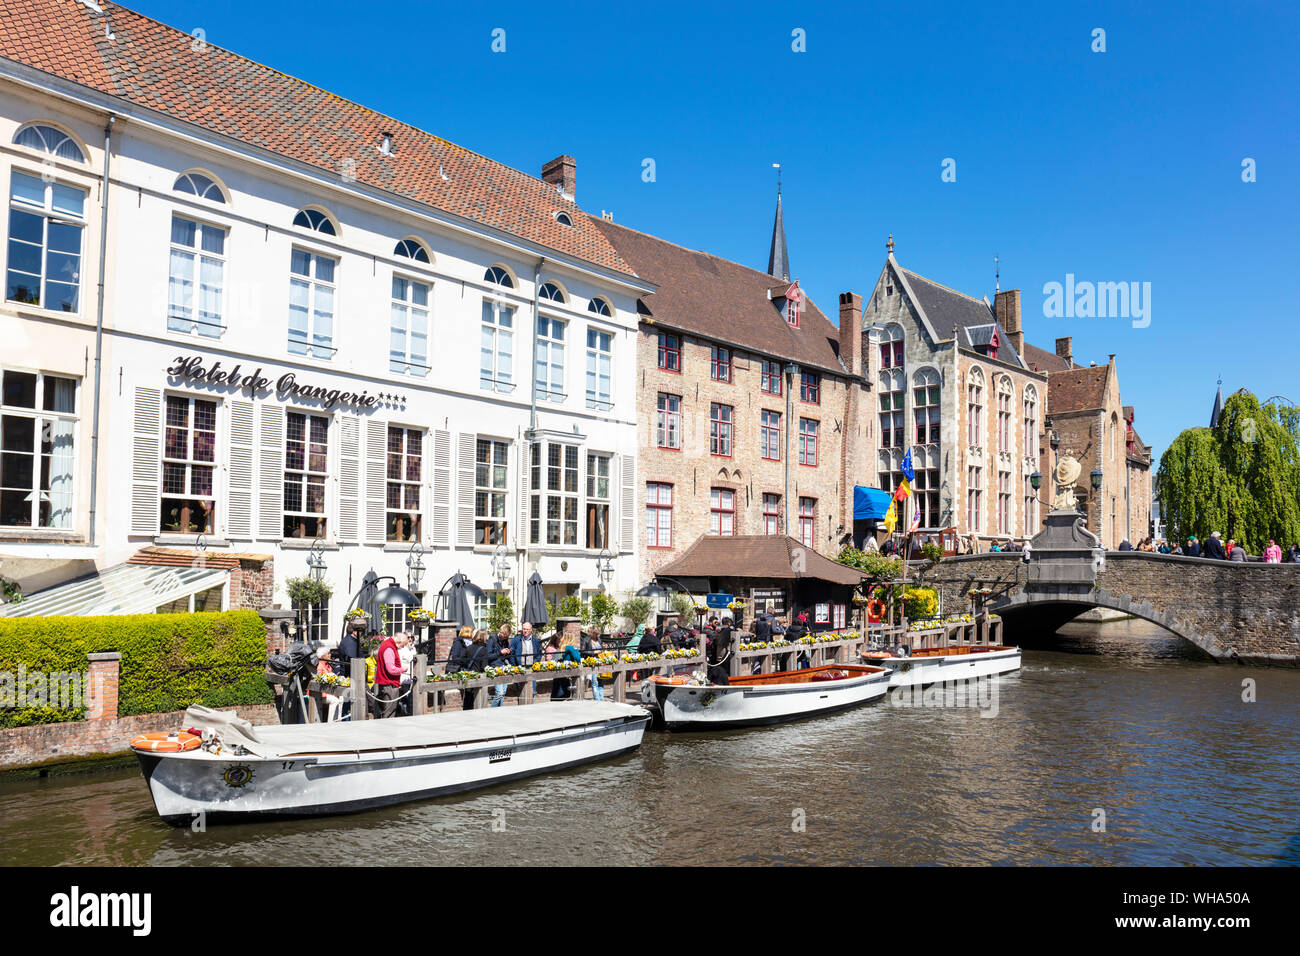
<point>315,221</point>
<point>563,219</point>
<point>793,304</point>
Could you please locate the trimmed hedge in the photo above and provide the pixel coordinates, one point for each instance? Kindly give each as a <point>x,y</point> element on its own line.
<point>169,661</point>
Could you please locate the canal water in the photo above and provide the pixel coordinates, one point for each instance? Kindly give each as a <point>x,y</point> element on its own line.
<point>1113,745</point>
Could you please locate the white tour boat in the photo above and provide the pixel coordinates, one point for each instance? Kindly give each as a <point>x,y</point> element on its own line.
<point>230,770</point>
<point>763,698</point>
<point>936,664</point>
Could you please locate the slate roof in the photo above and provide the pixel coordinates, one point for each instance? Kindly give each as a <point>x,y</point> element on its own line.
<point>757,556</point>
<point>947,308</point>
<point>152,66</point>
<point>704,295</point>
<point>778,258</point>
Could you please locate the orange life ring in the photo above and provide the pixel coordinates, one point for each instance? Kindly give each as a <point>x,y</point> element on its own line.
<point>875,611</point>
<point>876,655</point>
<point>166,743</point>
<point>668,680</point>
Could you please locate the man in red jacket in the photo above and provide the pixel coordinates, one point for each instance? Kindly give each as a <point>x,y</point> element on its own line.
<point>388,673</point>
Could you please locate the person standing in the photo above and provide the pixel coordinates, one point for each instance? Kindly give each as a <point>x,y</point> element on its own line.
<point>1193,548</point>
<point>498,656</point>
<point>568,651</point>
<point>526,649</point>
<point>591,647</point>
<point>388,673</point>
<point>1235,551</point>
<point>1214,547</point>
<point>1294,554</point>
<point>717,651</point>
<point>1273,554</point>
<point>475,660</point>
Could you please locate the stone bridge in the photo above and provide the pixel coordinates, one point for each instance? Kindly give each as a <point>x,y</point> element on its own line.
<point>1247,612</point>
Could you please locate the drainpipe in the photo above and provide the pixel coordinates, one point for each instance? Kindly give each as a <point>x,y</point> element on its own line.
<point>521,539</point>
<point>99,326</point>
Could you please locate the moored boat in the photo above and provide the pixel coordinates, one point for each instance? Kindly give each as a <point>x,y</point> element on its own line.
<point>935,664</point>
<point>763,698</point>
<point>230,770</point>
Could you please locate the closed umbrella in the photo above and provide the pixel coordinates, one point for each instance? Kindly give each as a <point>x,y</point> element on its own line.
<point>366,599</point>
<point>459,608</point>
<point>535,611</point>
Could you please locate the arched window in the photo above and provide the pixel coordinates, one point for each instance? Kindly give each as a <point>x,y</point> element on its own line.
<point>201,185</point>
<point>892,401</point>
<point>975,407</point>
<point>550,290</point>
<point>600,307</point>
<point>1006,395</point>
<point>50,139</point>
<point>891,346</point>
<point>1031,422</point>
<point>411,249</point>
<point>498,276</point>
<point>563,219</point>
<point>316,221</point>
<point>925,405</point>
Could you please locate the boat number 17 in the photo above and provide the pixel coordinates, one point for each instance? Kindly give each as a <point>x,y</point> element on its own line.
<point>286,765</point>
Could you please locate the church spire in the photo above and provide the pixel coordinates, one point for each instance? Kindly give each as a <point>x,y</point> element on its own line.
<point>778,261</point>
<point>1218,406</point>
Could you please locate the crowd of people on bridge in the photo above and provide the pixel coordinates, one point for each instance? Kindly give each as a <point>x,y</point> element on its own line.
<point>1216,548</point>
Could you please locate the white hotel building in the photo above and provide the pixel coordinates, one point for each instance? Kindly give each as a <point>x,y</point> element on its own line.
<point>315,324</point>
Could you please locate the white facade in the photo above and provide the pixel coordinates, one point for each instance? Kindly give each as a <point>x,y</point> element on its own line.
<point>260,270</point>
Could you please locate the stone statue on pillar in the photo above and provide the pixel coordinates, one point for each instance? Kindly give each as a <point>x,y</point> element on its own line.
<point>1067,473</point>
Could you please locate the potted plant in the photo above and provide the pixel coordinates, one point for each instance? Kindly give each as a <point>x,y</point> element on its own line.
<point>357,620</point>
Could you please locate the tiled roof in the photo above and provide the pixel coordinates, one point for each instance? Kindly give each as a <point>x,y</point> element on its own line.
<point>1077,389</point>
<point>722,300</point>
<point>153,66</point>
<point>756,556</point>
<point>1044,360</point>
<point>947,308</point>
<point>185,558</point>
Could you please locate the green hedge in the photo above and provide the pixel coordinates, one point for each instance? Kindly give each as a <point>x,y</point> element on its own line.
<point>169,661</point>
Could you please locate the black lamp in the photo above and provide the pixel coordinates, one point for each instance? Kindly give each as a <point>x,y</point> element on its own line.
<point>1096,479</point>
<point>1036,480</point>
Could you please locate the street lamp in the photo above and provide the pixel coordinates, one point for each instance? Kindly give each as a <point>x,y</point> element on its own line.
<point>316,560</point>
<point>1096,480</point>
<point>415,566</point>
<point>1036,480</point>
<point>605,566</point>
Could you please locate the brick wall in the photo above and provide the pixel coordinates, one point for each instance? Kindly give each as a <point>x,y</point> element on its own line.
<point>252,585</point>
<point>694,471</point>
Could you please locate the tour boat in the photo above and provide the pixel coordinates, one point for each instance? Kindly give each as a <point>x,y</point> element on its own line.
<point>230,770</point>
<point>763,698</point>
<point>935,664</point>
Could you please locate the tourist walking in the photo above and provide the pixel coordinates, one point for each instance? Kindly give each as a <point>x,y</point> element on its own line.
<point>1273,554</point>
<point>1214,547</point>
<point>388,673</point>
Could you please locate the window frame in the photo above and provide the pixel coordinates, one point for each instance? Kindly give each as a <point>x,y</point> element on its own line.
<point>312,281</point>
<point>667,351</point>
<point>808,522</point>
<point>540,494</point>
<point>547,345</point>
<point>656,509</point>
<point>810,387</point>
<point>197,253</point>
<point>189,463</point>
<point>721,370</point>
<point>766,431</point>
<point>809,430</point>
<point>496,308</point>
<point>48,215</point>
<point>410,307</point>
<point>667,417</point>
<point>717,425</point>
<point>772,517</point>
<point>325,526</point>
<point>722,512</point>
<point>486,491</point>
<point>403,482</point>
<point>769,372</point>
<point>592,500</point>
<point>42,419</point>
<point>595,356</point>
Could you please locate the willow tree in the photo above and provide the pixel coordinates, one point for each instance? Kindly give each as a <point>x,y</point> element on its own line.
<point>1240,478</point>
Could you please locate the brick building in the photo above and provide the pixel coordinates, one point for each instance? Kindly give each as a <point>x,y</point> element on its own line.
<point>749,411</point>
<point>1085,409</point>
<point>952,385</point>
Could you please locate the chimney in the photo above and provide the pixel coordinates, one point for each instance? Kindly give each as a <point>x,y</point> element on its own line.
<point>562,171</point>
<point>1007,309</point>
<point>851,332</point>
<point>1065,349</point>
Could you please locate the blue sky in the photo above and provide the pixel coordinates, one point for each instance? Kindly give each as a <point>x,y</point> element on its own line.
<point>1117,166</point>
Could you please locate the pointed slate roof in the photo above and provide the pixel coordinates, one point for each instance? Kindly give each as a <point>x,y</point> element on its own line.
<point>1218,407</point>
<point>778,260</point>
<point>944,308</point>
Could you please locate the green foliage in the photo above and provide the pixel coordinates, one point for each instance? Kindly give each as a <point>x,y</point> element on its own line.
<point>876,568</point>
<point>305,591</point>
<point>501,612</point>
<point>684,605</point>
<point>635,610</point>
<point>11,591</point>
<point>570,606</point>
<point>920,603</point>
<point>932,553</point>
<point>1241,478</point>
<point>169,661</point>
<point>601,611</point>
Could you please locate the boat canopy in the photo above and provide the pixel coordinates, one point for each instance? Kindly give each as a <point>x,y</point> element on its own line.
<point>869,504</point>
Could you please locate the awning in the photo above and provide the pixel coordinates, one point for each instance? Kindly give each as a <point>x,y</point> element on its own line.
<point>125,589</point>
<point>869,503</point>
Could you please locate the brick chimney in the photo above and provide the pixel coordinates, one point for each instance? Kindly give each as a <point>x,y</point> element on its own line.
<point>562,171</point>
<point>851,332</point>
<point>1065,349</point>
<point>1007,309</point>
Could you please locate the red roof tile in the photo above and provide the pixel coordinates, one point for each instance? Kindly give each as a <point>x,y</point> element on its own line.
<point>155,66</point>
<point>1076,390</point>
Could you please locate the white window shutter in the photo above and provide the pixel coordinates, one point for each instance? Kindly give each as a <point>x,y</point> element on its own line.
<point>441,497</point>
<point>627,503</point>
<point>467,442</point>
<point>146,461</point>
<point>521,538</point>
<point>349,478</point>
<point>270,474</point>
<point>376,472</point>
<point>239,510</point>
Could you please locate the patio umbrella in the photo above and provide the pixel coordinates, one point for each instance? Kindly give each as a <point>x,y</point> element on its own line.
<point>535,611</point>
<point>459,608</point>
<point>366,599</point>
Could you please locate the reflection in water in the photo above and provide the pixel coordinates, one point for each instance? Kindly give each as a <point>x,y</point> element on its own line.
<point>1120,718</point>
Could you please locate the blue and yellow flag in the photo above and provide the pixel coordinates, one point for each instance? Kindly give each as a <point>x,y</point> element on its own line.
<point>908,472</point>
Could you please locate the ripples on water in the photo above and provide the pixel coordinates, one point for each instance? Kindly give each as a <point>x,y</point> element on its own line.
<point>1118,717</point>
